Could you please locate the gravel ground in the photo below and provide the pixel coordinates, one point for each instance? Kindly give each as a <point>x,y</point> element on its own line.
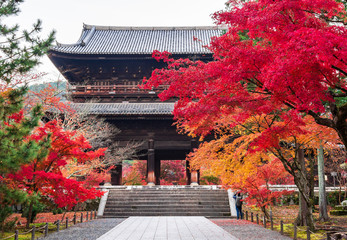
<point>86,231</point>
<point>245,230</point>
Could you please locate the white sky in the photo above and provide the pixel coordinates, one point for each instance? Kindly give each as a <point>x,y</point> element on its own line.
<point>67,17</point>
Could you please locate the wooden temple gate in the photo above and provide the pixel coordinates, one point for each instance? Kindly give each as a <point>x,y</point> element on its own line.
<point>105,67</point>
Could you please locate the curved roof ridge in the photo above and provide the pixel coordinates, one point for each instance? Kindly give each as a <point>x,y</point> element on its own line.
<point>80,41</point>
<point>141,40</point>
<point>129,28</point>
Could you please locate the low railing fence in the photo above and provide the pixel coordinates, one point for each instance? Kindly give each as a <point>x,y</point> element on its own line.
<point>284,229</point>
<point>45,229</point>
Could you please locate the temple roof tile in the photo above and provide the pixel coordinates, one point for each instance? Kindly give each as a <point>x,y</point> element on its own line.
<point>124,108</point>
<point>141,40</point>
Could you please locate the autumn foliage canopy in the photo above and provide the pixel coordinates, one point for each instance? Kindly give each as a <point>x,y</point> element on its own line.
<point>277,82</point>
<point>44,175</point>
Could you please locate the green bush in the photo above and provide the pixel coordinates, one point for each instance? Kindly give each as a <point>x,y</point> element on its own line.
<point>338,212</point>
<point>57,211</point>
<point>209,179</point>
<point>340,207</point>
<point>92,204</point>
<point>9,226</point>
<point>333,198</point>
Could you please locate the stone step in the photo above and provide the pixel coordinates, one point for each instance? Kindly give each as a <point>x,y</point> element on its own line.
<point>168,191</point>
<point>160,203</point>
<point>170,199</point>
<point>163,206</point>
<point>165,210</point>
<point>206,214</point>
<point>121,211</point>
<point>167,202</point>
<point>167,194</point>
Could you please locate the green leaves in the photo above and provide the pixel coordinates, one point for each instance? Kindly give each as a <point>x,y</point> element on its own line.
<point>19,51</point>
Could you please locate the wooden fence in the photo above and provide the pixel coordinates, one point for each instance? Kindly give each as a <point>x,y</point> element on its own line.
<point>44,229</point>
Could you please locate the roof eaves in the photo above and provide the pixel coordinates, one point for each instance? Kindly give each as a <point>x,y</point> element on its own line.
<point>118,28</point>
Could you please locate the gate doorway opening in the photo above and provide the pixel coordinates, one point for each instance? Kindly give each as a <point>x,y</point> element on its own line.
<point>172,172</point>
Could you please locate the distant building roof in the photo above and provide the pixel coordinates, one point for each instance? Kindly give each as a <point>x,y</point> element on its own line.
<point>124,108</point>
<point>141,40</point>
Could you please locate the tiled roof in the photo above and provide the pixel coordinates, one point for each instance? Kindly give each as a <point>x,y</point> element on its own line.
<point>125,108</point>
<point>141,40</point>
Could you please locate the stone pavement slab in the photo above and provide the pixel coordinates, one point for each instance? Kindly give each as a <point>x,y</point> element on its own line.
<point>167,228</point>
<point>246,230</point>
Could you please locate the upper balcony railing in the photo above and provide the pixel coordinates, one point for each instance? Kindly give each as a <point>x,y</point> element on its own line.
<point>113,89</point>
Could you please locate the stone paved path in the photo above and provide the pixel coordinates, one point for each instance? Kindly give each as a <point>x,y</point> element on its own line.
<point>167,228</point>
<point>246,230</point>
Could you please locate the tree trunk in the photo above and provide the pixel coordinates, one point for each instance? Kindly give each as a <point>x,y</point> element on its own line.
<point>305,216</point>
<point>63,217</point>
<point>266,213</point>
<point>30,214</point>
<point>323,212</point>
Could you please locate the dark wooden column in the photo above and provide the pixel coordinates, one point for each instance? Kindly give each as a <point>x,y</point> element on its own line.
<point>151,178</point>
<point>116,175</point>
<point>157,171</point>
<point>194,174</point>
<point>195,177</point>
<point>188,175</point>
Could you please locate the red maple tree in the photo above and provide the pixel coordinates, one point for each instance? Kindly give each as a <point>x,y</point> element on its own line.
<point>283,58</point>
<point>43,177</point>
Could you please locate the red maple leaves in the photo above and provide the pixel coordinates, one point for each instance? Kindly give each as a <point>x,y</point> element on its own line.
<point>44,175</point>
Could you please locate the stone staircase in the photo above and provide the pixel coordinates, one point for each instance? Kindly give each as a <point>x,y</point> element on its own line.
<point>167,201</point>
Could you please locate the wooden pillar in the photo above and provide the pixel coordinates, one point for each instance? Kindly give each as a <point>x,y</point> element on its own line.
<point>194,174</point>
<point>116,175</point>
<point>188,175</point>
<point>195,177</point>
<point>151,180</point>
<point>157,171</point>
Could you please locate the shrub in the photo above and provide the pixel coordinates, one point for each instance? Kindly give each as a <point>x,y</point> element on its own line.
<point>338,212</point>
<point>333,198</point>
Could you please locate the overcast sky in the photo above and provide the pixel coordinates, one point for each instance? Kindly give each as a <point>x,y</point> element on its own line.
<point>67,16</point>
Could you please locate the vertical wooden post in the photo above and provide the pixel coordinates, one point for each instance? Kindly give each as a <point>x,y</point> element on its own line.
<point>33,233</point>
<point>282,227</point>
<point>188,175</point>
<point>87,216</point>
<point>247,215</point>
<point>116,175</point>
<point>16,235</point>
<point>46,230</point>
<point>264,221</point>
<point>272,222</point>
<point>151,163</point>
<point>295,232</point>
<point>67,223</point>
<point>157,171</point>
<point>194,174</point>
<point>308,233</point>
<point>194,177</point>
<point>58,225</point>
<point>257,218</point>
<point>251,217</point>
<point>81,217</point>
<point>91,214</point>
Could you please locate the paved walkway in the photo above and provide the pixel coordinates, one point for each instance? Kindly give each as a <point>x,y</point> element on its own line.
<point>167,228</point>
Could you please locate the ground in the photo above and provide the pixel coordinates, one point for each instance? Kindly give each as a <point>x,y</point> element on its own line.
<point>47,217</point>
<point>289,213</point>
<point>285,213</point>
